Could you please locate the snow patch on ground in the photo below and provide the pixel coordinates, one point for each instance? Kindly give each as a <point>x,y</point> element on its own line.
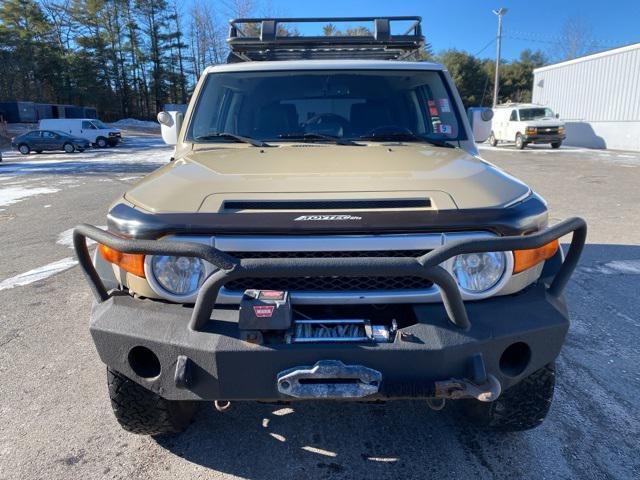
<point>133,122</point>
<point>510,147</point>
<point>39,273</point>
<point>617,267</point>
<point>135,155</point>
<point>66,238</point>
<point>11,195</point>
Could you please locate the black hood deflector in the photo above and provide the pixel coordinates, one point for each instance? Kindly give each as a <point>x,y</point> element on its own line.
<point>523,217</point>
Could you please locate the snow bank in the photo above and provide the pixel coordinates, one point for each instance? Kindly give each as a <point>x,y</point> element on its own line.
<point>133,122</point>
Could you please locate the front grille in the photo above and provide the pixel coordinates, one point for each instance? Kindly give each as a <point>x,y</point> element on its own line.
<point>547,130</point>
<point>330,284</point>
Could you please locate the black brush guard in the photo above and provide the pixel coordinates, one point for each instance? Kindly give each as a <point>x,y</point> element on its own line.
<point>426,266</point>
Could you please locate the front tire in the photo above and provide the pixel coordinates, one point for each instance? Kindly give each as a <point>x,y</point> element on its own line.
<point>492,140</point>
<point>24,149</point>
<point>520,144</point>
<point>522,407</point>
<point>141,411</point>
<point>556,144</point>
<point>101,142</point>
<point>68,148</point>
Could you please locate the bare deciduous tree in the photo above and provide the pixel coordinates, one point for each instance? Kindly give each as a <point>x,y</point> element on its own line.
<point>576,39</point>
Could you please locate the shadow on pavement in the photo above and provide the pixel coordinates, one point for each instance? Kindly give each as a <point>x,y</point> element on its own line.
<point>353,440</point>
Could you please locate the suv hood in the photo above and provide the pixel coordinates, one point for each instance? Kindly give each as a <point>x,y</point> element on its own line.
<point>209,175</point>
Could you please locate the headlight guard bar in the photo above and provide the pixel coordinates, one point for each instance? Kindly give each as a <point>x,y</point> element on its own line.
<point>426,266</point>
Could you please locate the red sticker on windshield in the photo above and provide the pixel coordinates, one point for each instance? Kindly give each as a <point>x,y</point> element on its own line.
<point>263,311</point>
<point>433,111</point>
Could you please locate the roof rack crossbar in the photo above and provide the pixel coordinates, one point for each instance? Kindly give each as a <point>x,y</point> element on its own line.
<point>253,39</point>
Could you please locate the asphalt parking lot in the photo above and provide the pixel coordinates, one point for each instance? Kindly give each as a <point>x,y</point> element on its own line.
<point>55,417</point>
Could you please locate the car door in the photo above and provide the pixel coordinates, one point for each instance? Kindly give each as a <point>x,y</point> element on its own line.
<point>513,125</point>
<point>502,121</point>
<point>89,131</point>
<point>49,141</point>
<point>34,140</point>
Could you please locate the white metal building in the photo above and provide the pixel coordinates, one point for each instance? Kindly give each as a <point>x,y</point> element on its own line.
<point>598,96</point>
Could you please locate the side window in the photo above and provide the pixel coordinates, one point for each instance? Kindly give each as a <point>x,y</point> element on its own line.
<point>48,135</point>
<point>88,126</point>
<point>35,134</point>
<point>514,116</point>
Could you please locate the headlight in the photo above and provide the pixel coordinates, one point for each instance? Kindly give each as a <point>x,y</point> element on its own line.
<point>478,272</point>
<point>179,276</point>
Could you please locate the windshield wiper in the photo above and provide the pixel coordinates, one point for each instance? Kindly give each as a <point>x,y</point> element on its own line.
<point>232,136</point>
<point>320,136</point>
<point>405,135</point>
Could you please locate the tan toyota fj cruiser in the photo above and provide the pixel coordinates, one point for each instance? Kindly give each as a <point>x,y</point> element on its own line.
<point>326,230</point>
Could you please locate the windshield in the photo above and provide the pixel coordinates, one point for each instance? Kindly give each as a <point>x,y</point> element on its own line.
<point>99,124</point>
<point>290,105</point>
<point>535,113</point>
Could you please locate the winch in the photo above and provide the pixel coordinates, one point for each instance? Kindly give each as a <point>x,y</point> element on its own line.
<point>267,312</point>
<point>339,330</point>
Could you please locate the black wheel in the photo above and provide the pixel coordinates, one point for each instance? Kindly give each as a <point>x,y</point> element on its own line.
<point>492,140</point>
<point>522,407</point>
<point>556,144</point>
<point>24,149</point>
<point>68,148</point>
<point>141,411</point>
<point>101,142</point>
<point>520,144</point>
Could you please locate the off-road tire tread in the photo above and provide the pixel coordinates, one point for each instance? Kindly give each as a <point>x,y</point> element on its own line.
<point>522,407</point>
<point>141,411</point>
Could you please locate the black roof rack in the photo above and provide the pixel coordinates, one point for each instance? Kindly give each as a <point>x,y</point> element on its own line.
<point>252,39</point>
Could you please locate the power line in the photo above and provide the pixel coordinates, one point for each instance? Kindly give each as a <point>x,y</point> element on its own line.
<point>485,47</point>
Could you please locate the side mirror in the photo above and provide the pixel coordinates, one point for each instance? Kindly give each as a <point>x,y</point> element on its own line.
<point>170,125</point>
<point>480,121</point>
<point>557,115</point>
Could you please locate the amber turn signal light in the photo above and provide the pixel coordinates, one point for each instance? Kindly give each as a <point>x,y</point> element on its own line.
<point>129,262</point>
<point>523,259</point>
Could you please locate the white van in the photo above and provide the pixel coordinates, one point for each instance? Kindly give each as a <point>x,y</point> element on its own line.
<point>526,123</point>
<point>93,130</point>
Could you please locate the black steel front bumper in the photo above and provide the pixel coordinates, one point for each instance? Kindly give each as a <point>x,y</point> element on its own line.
<point>202,356</point>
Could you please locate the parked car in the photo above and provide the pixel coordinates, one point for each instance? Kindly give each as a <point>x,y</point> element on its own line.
<point>526,123</point>
<point>327,231</point>
<point>95,131</point>
<point>41,140</point>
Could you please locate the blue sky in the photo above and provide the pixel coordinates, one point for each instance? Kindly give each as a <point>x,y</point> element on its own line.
<point>469,25</point>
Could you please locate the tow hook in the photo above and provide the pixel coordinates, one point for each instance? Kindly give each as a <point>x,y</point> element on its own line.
<point>456,388</point>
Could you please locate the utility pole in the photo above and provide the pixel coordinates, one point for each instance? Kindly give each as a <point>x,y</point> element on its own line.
<point>500,12</point>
